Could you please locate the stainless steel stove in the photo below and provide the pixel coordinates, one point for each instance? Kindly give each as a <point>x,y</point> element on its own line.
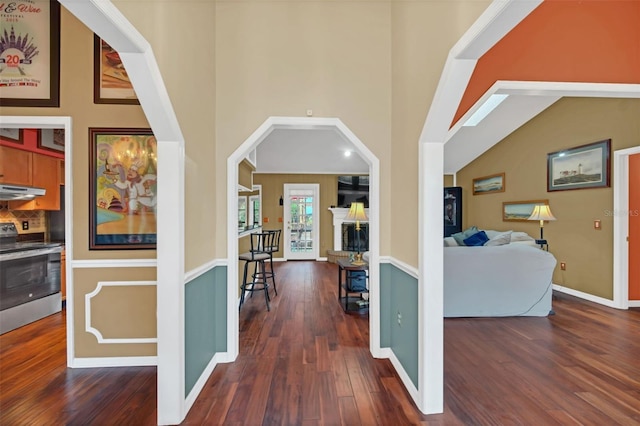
<point>29,279</point>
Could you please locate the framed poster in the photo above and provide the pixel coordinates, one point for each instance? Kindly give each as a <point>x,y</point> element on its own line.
<point>582,167</point>
<point>111,84</point>
<point>12,135</point>
<point>122,188</point>
<point>51,139</point>
<point>30,53</point>
<point>489,184</point>
<point>519,211</point>
<point>452,210</point>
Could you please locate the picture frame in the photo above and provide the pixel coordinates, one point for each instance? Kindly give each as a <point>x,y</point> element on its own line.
<point>51,139</point>
<point>122,188</point>
<point>452,210</point>
<point>489,184</point>
<point>12,135</point>
<point>31,78</point>
<point>111,84</point>
<point>581,167</point>
<point>519,211</point>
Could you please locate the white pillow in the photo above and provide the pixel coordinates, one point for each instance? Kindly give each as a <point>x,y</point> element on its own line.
<point>521,236</point>
<point>450,242</point>
<point>500,239</point>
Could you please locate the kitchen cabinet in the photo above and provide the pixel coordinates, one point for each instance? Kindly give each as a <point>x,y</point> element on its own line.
<point>46,174</point>
<point>16,166</point>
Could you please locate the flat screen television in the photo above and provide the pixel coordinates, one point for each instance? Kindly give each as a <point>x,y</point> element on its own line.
<point>354,188</point>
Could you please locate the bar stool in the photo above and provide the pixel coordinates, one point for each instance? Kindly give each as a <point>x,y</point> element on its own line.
<point>257,255</point>
<point>272,248</point>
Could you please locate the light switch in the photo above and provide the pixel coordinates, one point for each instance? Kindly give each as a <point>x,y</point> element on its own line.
<point>597,225</point>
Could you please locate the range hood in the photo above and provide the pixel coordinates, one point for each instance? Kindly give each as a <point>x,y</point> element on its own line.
<point>19,192</point>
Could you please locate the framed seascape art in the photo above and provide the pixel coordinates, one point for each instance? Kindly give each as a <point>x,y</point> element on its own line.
<point>489,184</point>
<point>519,211</point>
<point>582,167</point>
<point>123,188</point>
<point>51,139</point>
<point>111,84</point>
<point>12,135</point>
<point>30,53</point>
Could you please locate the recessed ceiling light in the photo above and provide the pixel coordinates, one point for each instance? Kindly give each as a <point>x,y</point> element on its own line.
<point>484,110</point>
<point>347,153</point>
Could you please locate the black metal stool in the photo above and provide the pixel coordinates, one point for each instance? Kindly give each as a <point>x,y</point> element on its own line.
<point>274,246</point>
<point>258,254</point>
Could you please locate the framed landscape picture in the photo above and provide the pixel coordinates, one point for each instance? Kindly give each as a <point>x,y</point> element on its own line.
<point>51,139</point>
<point>489,184</point>
<point>582,167</point>
<point>123,188</point>
<point>111,84</point>
<point>30,54</point>
<point>12,135</point>
<point>519,211</point>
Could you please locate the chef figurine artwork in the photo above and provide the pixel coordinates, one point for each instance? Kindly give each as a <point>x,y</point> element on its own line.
<point>139,188</point>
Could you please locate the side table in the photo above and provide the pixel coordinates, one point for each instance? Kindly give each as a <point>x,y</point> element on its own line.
<point>345,275</point>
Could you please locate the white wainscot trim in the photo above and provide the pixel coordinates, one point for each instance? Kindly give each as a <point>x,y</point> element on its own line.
<point>586,296</point>
<point>131,361</point>
<point>404,267</point>
<point>202,269</point>
<point>115,263</point>
<point>87,318</point>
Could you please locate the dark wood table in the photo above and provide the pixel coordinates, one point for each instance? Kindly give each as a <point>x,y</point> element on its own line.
<point>345,269</point>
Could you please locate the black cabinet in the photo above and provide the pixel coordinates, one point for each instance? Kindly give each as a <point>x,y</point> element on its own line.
<point>452,210</point>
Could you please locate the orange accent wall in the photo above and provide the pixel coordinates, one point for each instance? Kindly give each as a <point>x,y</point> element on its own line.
<point>634,227</point>
<point>567,41</point>
<point>30,143</point>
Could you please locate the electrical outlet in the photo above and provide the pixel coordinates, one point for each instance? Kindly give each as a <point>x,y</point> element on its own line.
<point>563,266</point>
<point>25,225</point>
<point>399,318</point>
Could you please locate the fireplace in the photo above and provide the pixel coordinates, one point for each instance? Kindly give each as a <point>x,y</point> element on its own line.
<point>344,234</point>
<point>354,240</point>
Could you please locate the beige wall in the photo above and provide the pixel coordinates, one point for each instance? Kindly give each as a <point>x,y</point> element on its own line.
<point>572,238</point>
<point>282,58</point>
<point>423,33</point>
<point>183,42</point>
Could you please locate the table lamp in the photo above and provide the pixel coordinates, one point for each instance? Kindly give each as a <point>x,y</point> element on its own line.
<point>541,212</point>
<point>356,212</point>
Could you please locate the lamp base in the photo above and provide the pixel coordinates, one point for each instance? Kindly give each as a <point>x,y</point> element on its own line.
<point>358,260</point>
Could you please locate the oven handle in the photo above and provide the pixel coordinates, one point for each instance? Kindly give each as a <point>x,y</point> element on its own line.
<point>29,253</point>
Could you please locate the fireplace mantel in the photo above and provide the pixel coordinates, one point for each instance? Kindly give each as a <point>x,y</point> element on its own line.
<point>339,215</point>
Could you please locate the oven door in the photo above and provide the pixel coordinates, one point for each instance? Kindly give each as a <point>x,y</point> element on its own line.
<point>28,275</point>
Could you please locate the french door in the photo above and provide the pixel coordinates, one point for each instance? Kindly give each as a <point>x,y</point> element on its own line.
<point>301,221</point>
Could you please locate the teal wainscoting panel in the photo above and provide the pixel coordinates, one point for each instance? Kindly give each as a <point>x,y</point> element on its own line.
<point>385,305</point>
<point>404,333</point>
<point>205,322</point>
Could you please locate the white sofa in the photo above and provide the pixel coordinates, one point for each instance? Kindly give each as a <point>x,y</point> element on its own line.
<point>512,279</point>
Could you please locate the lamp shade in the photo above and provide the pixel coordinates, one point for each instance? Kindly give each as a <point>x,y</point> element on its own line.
<point>541,212</point>
<point>357,213</point>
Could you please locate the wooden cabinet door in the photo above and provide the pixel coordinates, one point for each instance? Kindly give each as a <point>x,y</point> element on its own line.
<point>46,174</point>
<point>15,166</point>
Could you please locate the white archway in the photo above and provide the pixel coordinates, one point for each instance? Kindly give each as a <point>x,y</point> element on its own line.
<point>250,144</point>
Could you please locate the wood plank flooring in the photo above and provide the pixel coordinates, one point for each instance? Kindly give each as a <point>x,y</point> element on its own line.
<point>307,363</point>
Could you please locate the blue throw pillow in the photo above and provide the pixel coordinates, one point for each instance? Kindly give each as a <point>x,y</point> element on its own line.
<point>477,239</point>
<point>460,236</point>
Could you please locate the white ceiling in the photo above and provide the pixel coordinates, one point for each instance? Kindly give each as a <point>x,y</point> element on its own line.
<point>309,151</point>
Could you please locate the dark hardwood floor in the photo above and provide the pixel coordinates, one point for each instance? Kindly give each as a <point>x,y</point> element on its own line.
<point>307,363</point>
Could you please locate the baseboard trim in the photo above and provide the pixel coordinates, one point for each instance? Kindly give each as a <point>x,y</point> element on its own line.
<point>98,362</point>
<point>586,296</point>
<point>202,380</point>
<point>406,380</point>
